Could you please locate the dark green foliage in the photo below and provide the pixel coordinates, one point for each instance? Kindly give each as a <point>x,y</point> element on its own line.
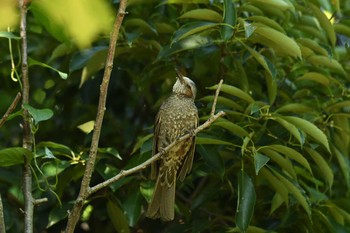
<point>277,162</point>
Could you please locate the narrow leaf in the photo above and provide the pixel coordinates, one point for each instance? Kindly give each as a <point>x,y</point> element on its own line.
<point>32,62</point>
<point>309,128</point>
<point>234,91</point>
<point>246,201</point>
<point>117,217</point>
<point>192,28</point>
<point>229,20</point>
<point>202,14</point>
<point>233,128</point>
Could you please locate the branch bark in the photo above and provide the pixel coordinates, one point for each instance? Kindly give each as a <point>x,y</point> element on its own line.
<point>10,109</point>
<point>27,135</point>
<point>155,157</point>
<point>84,188</point>
<point>2,221</point>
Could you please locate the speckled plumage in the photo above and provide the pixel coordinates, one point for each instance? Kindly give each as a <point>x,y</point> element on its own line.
<point>177,116</point>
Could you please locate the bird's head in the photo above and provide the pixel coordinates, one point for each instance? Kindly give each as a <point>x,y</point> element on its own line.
<point>184,86</point>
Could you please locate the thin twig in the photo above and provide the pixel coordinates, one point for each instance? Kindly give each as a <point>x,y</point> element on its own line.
<point>216,98</point>
<point>40,201</point>
<point>27,134</point>
<point>84,188</point>
<point>155,157</point>
<point>10,109</point>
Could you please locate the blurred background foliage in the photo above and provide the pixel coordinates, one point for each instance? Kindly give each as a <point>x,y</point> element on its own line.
<point>277,162</point>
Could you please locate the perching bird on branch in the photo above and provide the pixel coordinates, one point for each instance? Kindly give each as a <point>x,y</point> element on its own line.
<point>177,116</point>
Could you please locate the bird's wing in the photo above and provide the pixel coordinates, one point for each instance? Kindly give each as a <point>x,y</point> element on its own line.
<point>187,163</point>
<point>154,165</point>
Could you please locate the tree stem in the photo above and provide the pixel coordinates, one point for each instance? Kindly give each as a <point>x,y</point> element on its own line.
<point>27,135</point>
<point>84,188</point>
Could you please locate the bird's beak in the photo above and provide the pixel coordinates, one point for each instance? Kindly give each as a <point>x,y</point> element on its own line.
<point>180,76</point>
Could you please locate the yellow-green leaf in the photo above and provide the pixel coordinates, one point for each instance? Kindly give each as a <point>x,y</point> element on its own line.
<point>328,62</point>
<point>308,128</point>
<point>315,77</point>
<point>276,40</point>
<point>342,29</point>
<point>275,4</point>
<point>205,140</point>
<point>313,45</point>
<point>326,171</point>
<point>267,21</point>
<point>234,91</point>
<point>291,128</point>
<point>224,101</point>
<point>276,184</point>
<point>202,14</point>
<point>284,163</point>
<point>325,24</point>
<point>87,127</point>
<point>294,107</point>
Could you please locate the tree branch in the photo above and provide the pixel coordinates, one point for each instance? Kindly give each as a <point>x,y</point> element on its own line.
<point>216,98</point>
<point>27,135</point>
<point>155,157</point>
<point>2,221</point>
<point>10,109</point>
<point>84,188</point>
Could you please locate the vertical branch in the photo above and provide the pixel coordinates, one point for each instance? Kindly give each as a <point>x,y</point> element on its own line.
<point>27,136</point>
<point>2,221</point>
<point>84,188</point>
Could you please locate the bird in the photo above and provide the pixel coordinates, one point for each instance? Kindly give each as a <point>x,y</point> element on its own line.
<point>177,116</point>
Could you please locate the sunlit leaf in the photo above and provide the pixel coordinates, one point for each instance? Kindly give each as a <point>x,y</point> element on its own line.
<point>292,129</point>
<point>315,77</point>
<point>204,140</point>
<point>9,15</point>
<point>278,4</point>
<point>276,40</point>
<point>325,24</point>
<point>9,35</point>
<point>328,62</point>
<point>87,127</point>
<point>202,14</point>
<point>224,101</point>
<point>294,107</point>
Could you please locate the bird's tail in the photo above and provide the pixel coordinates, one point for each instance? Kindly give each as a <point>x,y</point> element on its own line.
<point>163,201</point>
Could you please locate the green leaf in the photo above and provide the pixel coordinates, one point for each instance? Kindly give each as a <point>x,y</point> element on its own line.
<point>261,59</point>
<point>275,4</point>
<point>224,101</point>
<point>343,164</point>
<point>202,14</point>
<point>246,201</point>
<point>229,19</point>
<point>87,127</point>
<point>334,65</point>
<point>260,161</point>
<point>294,107</point>
<point>325,24</point>
<point>33,62</point>
<point>212,158</point>
<point>292,129</point>
<point>284,163</point>
<point>192,28</point>
<point>308,128</point>
<point>295,190</point>
<point>14,156</point>
<point>293,154</point>
<point>234,91</point>
<point>57,214</point>
<point>325,170</point>
<point>132,206</point>
<point>276,184</point>
<point>313,45</point>
<point>315,77</point>
<point>233,128</point>
<point>9,35</point>
<point>39,114</point>
<point>267,21</point>
<point>276,40</point>
<point>204,140</point>
<point>117,217</point>
<point>141,25</point>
